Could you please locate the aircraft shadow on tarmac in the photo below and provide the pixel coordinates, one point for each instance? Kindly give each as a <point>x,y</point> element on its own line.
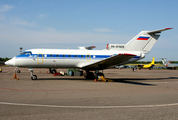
<point>134,80</point>
<point>123,80</point>
<point>61,79</point>
<point>119,80</point>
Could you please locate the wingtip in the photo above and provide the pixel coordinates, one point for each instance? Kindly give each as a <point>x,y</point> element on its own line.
<point>168,28</point>
<point>127,54</point>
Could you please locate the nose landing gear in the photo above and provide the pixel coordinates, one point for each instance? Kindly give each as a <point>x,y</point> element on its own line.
<point>33,77</point>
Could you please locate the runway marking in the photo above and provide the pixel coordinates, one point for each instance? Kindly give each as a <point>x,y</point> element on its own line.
<point>86,107</point>
<point>167,89</point>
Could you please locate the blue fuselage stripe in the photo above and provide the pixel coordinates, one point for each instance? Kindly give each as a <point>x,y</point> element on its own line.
<point>64,56</point>
<point>59,56</point>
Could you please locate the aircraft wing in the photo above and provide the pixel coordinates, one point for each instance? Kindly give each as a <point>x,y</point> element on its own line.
<point>140,66</point>
<point>108,62</point>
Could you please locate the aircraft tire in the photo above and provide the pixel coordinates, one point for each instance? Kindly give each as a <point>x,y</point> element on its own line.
<point>134,69</point>
<point>54,71</point>
<point>99,74</point>
<point>34,77</point>
<point>50,71</point>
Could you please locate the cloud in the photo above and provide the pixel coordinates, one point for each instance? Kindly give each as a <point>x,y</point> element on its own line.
<point>42,15</point>
<point>13,37</point>
<point>18,21</point>
<point>2,17</point>
<point>5,8</point>
<point>103,30</point>
<point>14,34</point>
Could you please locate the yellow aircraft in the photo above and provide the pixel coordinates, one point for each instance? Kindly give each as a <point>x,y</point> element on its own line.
<point>147,66</point>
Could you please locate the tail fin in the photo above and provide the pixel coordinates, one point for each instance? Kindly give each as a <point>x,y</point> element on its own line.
<point>164,61</point>
<point>153,61</point>
<point>144,41</point>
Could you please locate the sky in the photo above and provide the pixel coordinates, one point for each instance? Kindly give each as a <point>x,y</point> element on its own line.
<point>63,24</point>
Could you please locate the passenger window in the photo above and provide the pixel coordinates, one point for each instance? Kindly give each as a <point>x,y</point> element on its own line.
<point>88,56</point>
<point>51,55</point>
<point>63,55</point>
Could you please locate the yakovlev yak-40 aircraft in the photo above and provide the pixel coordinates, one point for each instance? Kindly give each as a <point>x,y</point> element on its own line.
<point>88,60</point>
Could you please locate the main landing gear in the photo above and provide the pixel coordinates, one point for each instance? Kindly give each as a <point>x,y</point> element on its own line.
<point>33,77</point>
<point>52,70</point>
<point>95,75</point>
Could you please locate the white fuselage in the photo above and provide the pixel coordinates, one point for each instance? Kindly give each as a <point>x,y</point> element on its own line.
<point>65,58</point>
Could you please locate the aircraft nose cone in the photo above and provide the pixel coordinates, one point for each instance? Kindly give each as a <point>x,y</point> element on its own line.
<point>6,63</point>
<point>11,62</point>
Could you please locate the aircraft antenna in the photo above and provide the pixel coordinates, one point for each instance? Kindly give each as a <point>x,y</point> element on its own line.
<point>21,48</point>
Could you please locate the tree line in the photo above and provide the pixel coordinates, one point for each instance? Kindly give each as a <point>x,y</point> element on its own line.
<point>4,59</point>
<point>147,62</point>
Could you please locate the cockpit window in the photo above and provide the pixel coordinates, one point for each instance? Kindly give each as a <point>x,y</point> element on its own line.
<point>27,53</point>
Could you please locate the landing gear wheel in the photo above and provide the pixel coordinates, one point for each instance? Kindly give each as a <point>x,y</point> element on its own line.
<point>34,77</point>
<point>54,71</point>
<point>18,71</point>
<point>134,69</point>
<point>99,75</point>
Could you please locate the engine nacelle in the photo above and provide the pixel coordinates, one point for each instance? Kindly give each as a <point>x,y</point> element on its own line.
<point>142,55</point>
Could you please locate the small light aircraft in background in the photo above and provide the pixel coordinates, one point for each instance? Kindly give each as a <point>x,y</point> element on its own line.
<point>88,60</point>
<point>147,66</point>
<point>169,65</point>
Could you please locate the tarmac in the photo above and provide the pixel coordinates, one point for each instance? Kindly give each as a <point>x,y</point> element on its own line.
<point>144,94</point>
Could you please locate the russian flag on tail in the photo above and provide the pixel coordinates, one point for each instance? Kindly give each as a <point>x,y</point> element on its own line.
<point>143,38</point>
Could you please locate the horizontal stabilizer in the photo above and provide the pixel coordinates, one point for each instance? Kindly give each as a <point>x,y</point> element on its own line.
<point>87,48</point>
<point>158,31</point>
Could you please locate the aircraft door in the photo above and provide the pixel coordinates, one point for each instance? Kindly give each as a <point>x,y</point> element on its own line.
<point>40,58</point>
<point>88,57</point>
